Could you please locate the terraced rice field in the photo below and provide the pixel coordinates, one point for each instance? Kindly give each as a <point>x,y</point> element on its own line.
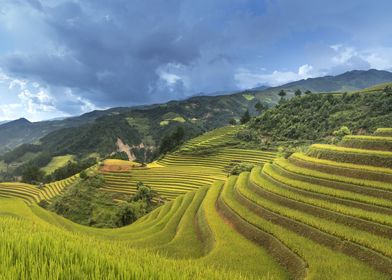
<point>311,216</point>
<point>223,136</point>
<point>33,194</point>
<point>181,172</point>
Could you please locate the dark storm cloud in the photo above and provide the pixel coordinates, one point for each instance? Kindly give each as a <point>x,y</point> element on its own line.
<point>124,52</point>
<point>110,50</point>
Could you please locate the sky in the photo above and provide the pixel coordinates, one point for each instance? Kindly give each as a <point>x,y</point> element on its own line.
<point>62,58</point>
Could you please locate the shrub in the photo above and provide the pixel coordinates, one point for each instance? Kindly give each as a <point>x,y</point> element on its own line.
<point>238,168</point>
<point>341,132</point>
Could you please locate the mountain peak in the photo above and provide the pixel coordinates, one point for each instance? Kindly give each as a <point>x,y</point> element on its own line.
<point>18,122</point>
<point>22,121</point>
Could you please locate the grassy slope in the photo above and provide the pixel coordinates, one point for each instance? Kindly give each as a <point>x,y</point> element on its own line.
<point>57,162</point>
<point>283,220</point>
<point>38,242</point>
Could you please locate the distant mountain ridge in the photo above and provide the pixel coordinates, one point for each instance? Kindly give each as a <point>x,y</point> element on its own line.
<point>348,81</point>
<point>212,111</point>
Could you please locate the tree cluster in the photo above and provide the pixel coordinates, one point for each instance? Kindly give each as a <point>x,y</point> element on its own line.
<point>316,116</point>
<point>172,141</point>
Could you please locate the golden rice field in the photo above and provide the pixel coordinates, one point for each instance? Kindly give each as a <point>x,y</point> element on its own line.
<point>324,214</point>
<point>181,172</point>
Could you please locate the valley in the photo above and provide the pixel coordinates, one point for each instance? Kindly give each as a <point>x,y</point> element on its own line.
<point>292,215</point>
<point>195,140</point>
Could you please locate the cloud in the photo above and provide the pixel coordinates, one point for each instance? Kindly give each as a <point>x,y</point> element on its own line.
<point>88,54</point>
<point>247,79</point>
<point>10,111</point>
<point>35,102</point>
<point>40,101</point>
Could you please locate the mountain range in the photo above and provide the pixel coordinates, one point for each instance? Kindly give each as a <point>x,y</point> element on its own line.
<point>142,128</point>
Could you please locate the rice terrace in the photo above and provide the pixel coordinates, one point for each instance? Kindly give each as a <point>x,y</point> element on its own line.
<point>175,140</point>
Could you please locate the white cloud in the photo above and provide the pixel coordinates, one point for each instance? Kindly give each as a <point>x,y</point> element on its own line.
<point>169,78</point>
<point>379,58</point>
<point>247,79</point>
<point>353,58</point>
<point>10,111</point>
<point>343,54</point>
<point>85,105</point>
<point>30,99</point>
<point>336,47</point>
<point>170,73</point>
<point>40,101</point>
<point>17,83</point>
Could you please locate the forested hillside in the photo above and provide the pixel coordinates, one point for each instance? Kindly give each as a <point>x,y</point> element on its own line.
<point>313,117</point>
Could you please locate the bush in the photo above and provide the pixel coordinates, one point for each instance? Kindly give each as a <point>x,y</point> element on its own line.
<point>83,174</point>
<point>119,155</point>
<point>129,212</point>
<point>238,168</point>
<point>341,132</point>
<point>32,175</point>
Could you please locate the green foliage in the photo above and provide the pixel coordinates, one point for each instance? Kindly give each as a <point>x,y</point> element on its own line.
<point>233,121</point>
<point>142,128</point>
<point>86,204</point>
<point>20,151</point>
<point>144,193</point>
<point>238,168</point>
<point>39,161</point>
<point>129,212</point>
<point>282,93</point>
<point>341,132</point>
<point>172,141</point>
<point>388,89</point>
<point>57,162</point>
<point>287,150</point>
<point>245,117</point>
<point>260,107</point>
<point>119,155</point>
<point>83,175</point>
<point>140,204</point>
<point>83,203</point>
<point>316,116</point>
<point>298,92</point>
<point>32,174</point>
<point>70,169</point>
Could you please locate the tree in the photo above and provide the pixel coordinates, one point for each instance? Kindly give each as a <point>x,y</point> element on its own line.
<point>282,94</point>
<point>179,134</point>
<point>119,155</point>
<point>388,90</point>
<point>298,92</point>
<point>308,92</point>
<point>32,174</point>
<point>232,121</point>
<point>129,212</point>
<point>245,117</point>
<point>143,193</point>
<point>83,174</point>
<point>260,107</point>
<point>170,142</point>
